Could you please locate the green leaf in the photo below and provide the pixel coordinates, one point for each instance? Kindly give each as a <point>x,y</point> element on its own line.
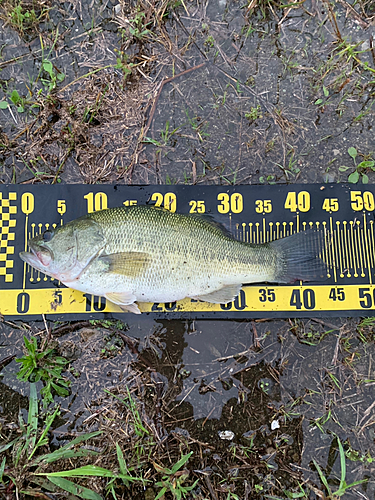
<point>65,451</point>
<point>32,419</point>
<point>161,493</point>
<point>48,67</point>
<point>354,177</point>
<point>181,462</point>
<point>2,468</point>
<point>325,91</point>
<point>43,438</point>
<point>322,477</point>
<point>75,489</point>
<point>366,164</point>
<point>342,463</point>
<point>15,97</point>
<point>364,179</point>
<point>353,153</point>
<point>343,168</point>
<point>51,457</point>
<point>84,471</point>
<point>121,460</point>
<point>3,104</point>
<point>8,445</point>
<point>318,101</point>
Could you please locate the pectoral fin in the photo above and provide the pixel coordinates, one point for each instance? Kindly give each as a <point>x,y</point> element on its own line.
<point>222,296</point>
<point>127,263</point>
<point>125,300</point>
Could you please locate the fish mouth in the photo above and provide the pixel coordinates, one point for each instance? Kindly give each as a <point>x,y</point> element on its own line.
<point>39,258</point>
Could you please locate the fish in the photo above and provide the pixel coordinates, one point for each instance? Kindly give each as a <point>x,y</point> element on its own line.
<point>144,253</point>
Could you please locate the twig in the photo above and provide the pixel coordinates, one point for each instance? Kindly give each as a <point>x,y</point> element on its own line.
<point>144,130</point>
<point>355,14</point>
<point>70,328</point>
<point>209,486</point>
<point>4,362</point>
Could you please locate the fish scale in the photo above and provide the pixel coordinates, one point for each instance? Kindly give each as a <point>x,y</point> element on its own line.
<point>148,254</point>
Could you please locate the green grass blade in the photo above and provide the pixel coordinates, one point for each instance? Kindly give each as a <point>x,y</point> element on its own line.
<point>52,457</point>
<point>32,419</point>
<point>87,470</point>
<point>2,468</point>
<point>8,445</point>
<point>75,489</point>
<point>43,440</point>
<point>181,462</point>
<point>66,451</point>
<point>161,493</point>
<point>121,460</point>
<point>322,477</point>
<point>342,463</point>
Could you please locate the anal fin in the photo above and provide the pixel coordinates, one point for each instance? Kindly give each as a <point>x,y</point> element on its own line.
<point>222,296</point>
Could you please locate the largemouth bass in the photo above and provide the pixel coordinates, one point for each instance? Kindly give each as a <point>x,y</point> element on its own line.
<point>148,254</point>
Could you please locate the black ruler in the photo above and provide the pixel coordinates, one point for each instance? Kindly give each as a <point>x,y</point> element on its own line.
<point>255,214</point>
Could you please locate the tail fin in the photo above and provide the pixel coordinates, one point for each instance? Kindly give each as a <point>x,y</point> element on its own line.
<point>299,257</point>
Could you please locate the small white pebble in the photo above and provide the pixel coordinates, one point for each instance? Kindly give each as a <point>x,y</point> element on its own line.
<point>229,435</point>
<point>275,425</point>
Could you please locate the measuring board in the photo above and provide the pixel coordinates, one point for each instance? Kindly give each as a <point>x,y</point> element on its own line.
<point>255,214</point>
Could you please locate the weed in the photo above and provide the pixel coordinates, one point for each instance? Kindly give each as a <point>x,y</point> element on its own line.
<point>360,168</point>
<point>321,102</point>
<point>267,179</point>
<point>196,126</point>
<point>46,366</point>
<point>254,113</point>
<point>173,479</point>
<point>23,464</point>
<point>166,134</point>
<point>343,487</point>
<point>137,27</point>
<point>356,456</point>
<point>21,18</point>
<point>123,64</point>
<point>210,41</point>
<point>291,170</point>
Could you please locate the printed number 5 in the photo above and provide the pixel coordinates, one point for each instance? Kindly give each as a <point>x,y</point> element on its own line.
<point>61,207</point>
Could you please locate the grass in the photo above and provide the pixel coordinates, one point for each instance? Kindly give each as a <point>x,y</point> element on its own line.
<point>343,487</point>
<point>21,17</point>
<point>23,457</point>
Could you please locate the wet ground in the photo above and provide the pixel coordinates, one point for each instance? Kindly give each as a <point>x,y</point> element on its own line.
<point>221,92</point>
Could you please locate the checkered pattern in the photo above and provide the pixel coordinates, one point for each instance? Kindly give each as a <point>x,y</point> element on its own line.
<point>7,237</point>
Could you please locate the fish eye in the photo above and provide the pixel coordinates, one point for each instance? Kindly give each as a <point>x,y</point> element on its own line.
<point>47,235</point>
